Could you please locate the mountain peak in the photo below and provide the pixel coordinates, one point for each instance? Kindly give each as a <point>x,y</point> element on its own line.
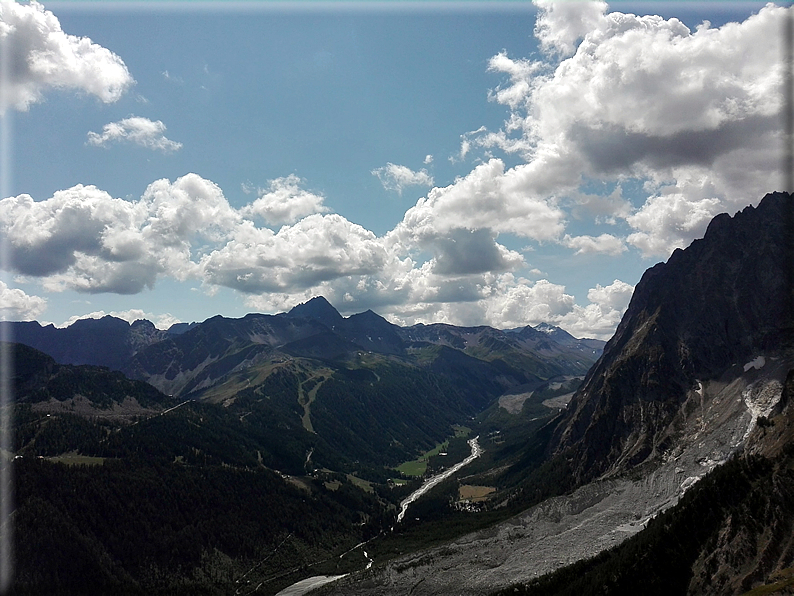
<point>561,336</point>
<point>722,300</point>
<point>319,309</point>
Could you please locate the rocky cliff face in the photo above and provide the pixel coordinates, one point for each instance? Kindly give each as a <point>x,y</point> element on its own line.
<point>698,317</point>
<point>107,341</point>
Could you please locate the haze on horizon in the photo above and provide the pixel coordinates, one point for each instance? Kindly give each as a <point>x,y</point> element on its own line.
<point>462,163</point>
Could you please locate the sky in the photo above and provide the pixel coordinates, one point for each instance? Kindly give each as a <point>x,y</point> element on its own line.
<point>474,163</point>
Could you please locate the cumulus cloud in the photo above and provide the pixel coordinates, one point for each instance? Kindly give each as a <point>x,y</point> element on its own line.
<point>599,318</point>
<point>506,301</point>
<point>42,56</point>
<point>487,198</point>
<point>521,74</point>
<point>516,303</point>
<point>667,222</point>
<point>461,251</point>
<point>643,75</point>
<point>605,244</point>
<point>697,114</point>
<point>615,296</point>
<point>284,201</point>
<point>85,240</point>
<point>315,249</point>
<point>16,305</point>
<point>139,131</point>
<point>561,24</point>
<point>396,178</point>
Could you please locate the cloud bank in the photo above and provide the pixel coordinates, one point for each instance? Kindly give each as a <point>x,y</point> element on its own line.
<point>695,116</point>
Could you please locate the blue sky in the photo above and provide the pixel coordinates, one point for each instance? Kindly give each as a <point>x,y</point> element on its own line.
<point>471,163</point>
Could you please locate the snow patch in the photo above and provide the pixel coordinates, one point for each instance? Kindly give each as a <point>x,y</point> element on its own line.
<point>689,483</point>
<point>760,399</point>
<point>756,363</point>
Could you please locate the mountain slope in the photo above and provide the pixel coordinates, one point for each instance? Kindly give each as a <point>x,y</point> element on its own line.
<point>731,533</point>
<point>705,313</point>
<point>38,379</point>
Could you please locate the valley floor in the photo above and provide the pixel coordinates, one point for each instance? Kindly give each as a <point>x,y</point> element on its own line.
<point>595,517</point>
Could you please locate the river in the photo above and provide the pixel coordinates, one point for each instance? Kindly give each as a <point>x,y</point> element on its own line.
<point>476,451</point>
<point>309,584</point>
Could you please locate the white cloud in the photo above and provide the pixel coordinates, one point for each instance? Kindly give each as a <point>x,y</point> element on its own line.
<point>521,73</point>
<point>41,57</point>
<point>16,305</point>
<point>670,221</point>
<point>605,244</point>
<point>461,251</point>
<point>428,159</point>
<point>641,98</point>
<point>315,249</point>
<point>82,239</point>
<point>189,206</point>
<point>516,303</point>
<point>395,177</point>
<point>137,130</point>
<point>615,296</point>
<point>486,198</point>
<point>162,321</point>
<point>284,202</point>
<point>599,318</point>
<point>561,24</point>
<point>85,240</point>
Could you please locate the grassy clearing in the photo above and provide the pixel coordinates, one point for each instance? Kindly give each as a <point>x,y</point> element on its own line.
<point>74,459</point>
<point>461,431</point>
<point>360,482</point>
<point>474,493</point>
<point>418,467</point>
<point>787,581</point>
<point>332,485</point>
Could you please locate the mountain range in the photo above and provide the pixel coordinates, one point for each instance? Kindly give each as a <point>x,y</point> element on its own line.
<point>661,464</point>
<point>188,358</point>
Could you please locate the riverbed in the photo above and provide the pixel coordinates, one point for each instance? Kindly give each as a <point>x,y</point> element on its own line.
<point>476,451</point>
<point>309,584</point>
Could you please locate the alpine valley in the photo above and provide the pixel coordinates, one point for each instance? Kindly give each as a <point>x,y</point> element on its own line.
<point>244,455</point>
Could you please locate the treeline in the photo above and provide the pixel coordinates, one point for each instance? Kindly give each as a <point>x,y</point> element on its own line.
<point>137,527</point>
<point>387,415</point>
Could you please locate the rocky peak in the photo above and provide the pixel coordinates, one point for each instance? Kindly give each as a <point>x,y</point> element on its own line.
<point>319,309</point>
<point>708,308</point>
